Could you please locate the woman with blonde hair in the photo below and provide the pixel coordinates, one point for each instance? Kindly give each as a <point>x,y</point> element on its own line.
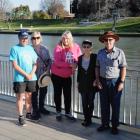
<point>66,55</point>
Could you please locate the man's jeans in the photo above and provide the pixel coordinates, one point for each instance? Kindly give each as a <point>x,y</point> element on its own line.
<point>110,96</point>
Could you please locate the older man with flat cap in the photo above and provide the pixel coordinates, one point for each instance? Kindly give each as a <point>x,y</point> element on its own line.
<point>110,76</point>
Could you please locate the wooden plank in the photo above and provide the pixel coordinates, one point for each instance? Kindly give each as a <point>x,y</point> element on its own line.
<point>50,129</point>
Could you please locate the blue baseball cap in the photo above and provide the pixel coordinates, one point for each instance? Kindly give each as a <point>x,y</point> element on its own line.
<point>23,34</point>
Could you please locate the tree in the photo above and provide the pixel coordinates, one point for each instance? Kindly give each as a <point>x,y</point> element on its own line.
<point>21,12</point>
<point>84,9</point>
<point>75,7</point>
<point>4,8</point>
<point>40,15</point>
<point>134,7</point>
<point>55,8</point>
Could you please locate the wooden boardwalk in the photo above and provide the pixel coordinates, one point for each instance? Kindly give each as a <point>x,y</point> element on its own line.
<point>50,129</point>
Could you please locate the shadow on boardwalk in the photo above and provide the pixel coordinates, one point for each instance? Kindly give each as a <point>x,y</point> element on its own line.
<point>50,129</point>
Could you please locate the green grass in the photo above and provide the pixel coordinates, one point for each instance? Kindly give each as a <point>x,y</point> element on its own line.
<point>127,25</point>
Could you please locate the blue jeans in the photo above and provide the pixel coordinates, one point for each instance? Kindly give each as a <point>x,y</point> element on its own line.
<point>110,96</point>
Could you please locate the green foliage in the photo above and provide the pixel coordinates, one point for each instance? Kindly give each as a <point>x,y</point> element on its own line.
<point>40,15</point>
<point>54,8</point>
<point>21,12</point>
<point>59,25</point>
<point>75,7</point>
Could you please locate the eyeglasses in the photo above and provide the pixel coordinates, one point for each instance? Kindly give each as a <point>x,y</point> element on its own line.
<point>86,46</point>
<point>34,38</point>
<point>109,39</point>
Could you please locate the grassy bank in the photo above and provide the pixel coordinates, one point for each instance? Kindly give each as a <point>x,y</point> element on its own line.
<point>127,25</point>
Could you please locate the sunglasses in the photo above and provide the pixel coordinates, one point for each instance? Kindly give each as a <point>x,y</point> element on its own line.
<point>34,38</point>
<point>86,46</point>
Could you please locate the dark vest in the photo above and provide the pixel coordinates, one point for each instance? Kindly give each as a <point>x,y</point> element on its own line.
<point>85,78</point>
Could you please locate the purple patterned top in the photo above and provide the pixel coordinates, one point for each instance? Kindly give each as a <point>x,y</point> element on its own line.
<point>43,61</point>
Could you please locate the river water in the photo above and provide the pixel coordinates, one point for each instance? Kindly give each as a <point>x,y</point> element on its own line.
<point>130,45</point>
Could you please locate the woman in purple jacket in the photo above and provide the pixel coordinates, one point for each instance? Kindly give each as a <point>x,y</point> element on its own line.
<point>43,65</point>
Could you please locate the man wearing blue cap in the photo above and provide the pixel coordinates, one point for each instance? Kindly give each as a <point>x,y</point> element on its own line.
<point>23,58</point>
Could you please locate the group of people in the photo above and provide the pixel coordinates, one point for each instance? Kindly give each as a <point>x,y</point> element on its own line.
<point>103,72</point>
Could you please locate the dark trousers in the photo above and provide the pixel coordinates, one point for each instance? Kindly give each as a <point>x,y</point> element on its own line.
<point>38,102</point>
<point>110,96</point>
<point>62,85</point>
<point>88,104</point>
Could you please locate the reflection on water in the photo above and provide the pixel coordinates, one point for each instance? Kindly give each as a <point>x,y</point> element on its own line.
<point>130,45</point>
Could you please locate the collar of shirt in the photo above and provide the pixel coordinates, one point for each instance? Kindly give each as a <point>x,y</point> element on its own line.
<point>113,50</point>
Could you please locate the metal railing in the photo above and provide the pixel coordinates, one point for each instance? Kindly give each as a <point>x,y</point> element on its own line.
<point>130,101</point>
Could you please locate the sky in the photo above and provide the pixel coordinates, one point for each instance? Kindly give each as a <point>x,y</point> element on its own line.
<point>33,4</point>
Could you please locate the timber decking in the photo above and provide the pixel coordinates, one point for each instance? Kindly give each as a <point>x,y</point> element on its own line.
<point>50,129</point>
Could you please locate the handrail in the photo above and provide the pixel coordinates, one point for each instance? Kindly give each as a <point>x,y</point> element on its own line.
<point>4,55</point>
<point>130,108</point>
<point>132,69</point>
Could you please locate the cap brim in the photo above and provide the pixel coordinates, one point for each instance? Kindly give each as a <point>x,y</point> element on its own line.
<point>23,36</point>
<point>87,42</point>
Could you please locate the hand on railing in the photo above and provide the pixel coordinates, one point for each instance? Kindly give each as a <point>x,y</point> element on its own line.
<point>74,66</point>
